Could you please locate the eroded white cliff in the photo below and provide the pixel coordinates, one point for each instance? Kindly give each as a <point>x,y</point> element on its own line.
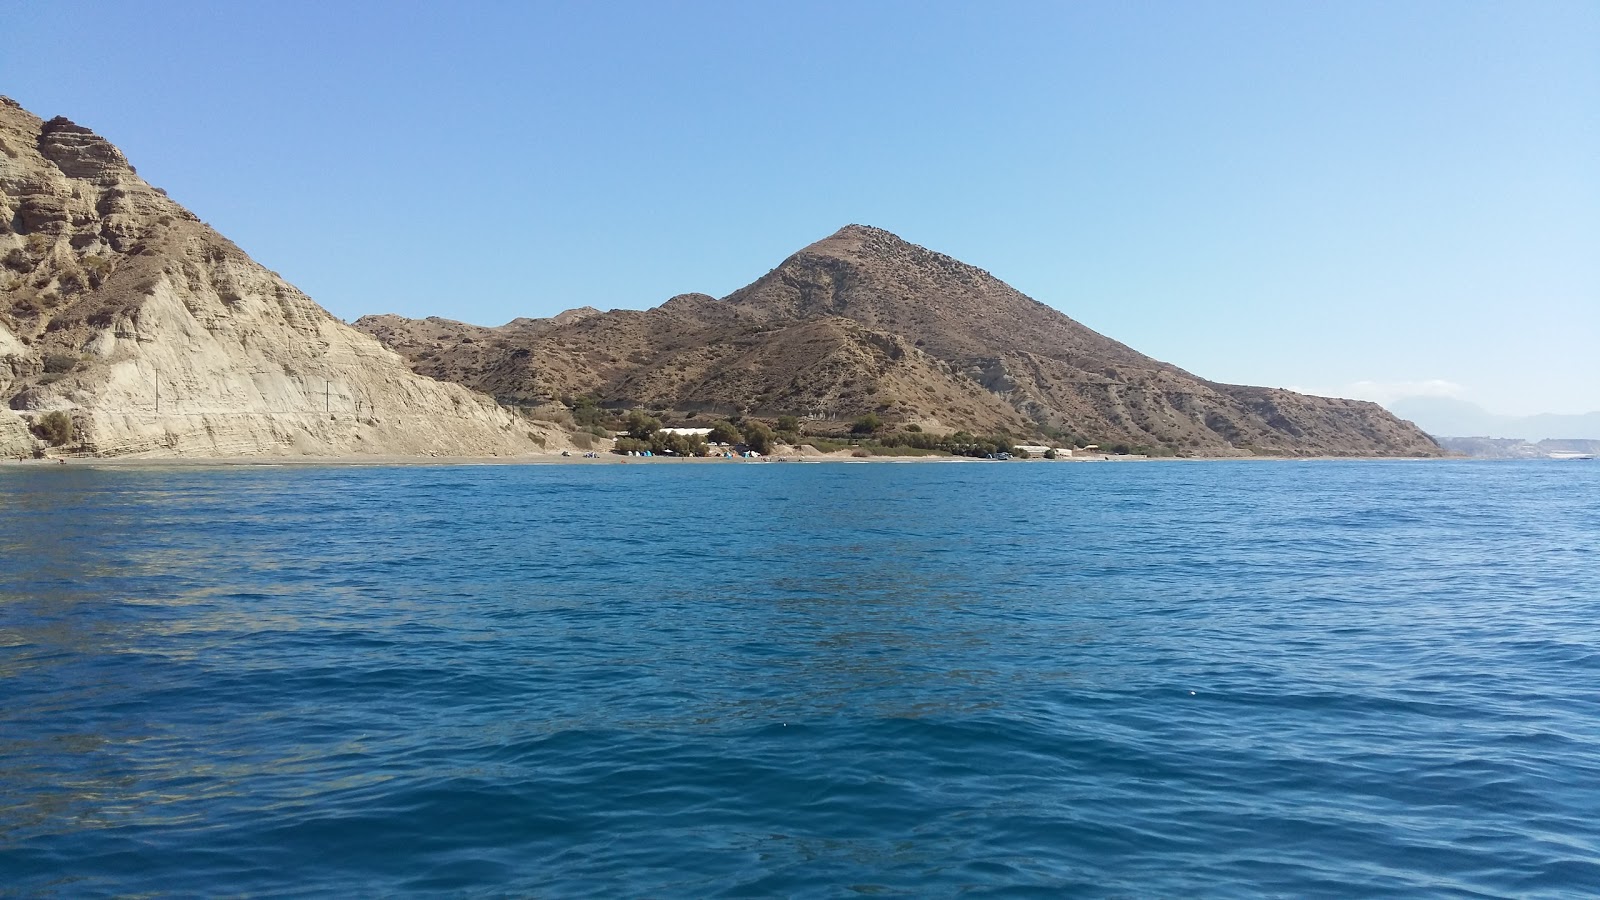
<point>159,337</point>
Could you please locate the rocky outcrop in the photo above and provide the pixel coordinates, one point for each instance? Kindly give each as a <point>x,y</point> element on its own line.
<point>80,153</point>
<point>157,336</point>
<point>15,439</point>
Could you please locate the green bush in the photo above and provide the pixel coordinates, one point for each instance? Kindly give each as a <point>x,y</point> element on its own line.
<point>640,424</point>
<point>867,424</point>
<point>663,443</point>
<point>759,437</point>
<point>789,424</point>
<point>879,450</point>
<point>54,427</point>
<point>586,411</point>
<point>725,432</point>
<point>630,445</point>
<point>678,444</point>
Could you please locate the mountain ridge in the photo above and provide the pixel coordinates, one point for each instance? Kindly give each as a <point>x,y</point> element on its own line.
<point>1451,417</point>
<point>132,328</point>
<point>863,321</point>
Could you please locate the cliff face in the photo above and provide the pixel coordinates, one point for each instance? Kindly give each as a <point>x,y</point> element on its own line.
<point>157,336</point>
<point>863,321</point>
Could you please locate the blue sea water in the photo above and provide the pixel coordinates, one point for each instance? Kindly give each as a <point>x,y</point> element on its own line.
<point>1253,678</point>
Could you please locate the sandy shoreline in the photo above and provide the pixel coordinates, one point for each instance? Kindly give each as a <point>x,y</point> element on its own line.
<point>609,459</point>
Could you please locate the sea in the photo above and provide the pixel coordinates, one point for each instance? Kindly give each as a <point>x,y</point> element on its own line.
<point>1160,679</point>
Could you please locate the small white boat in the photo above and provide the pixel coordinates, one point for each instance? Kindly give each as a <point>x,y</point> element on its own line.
<point>1570,454</point>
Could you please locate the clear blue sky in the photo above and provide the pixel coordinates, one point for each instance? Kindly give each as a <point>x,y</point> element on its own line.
<point>1357,198</point>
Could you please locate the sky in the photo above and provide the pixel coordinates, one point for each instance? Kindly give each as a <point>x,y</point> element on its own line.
<point>1376,200</point>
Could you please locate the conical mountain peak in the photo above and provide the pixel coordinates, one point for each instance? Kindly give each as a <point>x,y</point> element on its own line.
<point>865,321</point>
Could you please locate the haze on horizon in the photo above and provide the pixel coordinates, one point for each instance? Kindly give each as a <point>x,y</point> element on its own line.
<point>1370,200</point>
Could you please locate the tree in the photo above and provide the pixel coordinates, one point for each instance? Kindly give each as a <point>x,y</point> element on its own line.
<point>586,411</point>
<point>724,432</point>
<point>667,442</point>
<point>759,437</point>
<point>1002,443</point>
<point>789,423</point>
<point>641,425</point>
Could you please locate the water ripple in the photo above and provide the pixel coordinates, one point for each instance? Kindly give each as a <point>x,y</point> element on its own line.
<point>1306,679</point>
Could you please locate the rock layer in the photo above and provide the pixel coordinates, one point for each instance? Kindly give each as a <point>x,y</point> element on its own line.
<point>158,337</point>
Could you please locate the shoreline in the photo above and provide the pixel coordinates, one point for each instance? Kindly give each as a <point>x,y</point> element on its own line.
<point>610,459</point>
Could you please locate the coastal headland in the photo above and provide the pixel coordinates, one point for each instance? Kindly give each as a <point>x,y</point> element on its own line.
<point>129,328</point>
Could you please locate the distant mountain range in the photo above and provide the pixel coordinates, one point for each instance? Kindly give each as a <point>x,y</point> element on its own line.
<point>1516,448</point>
<point>1446,416</point>
<point>865,322</point>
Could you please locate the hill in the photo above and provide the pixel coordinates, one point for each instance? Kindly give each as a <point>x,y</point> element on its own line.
<point>130,327</point>
<point>1448,416</point>
<point>865,322</point>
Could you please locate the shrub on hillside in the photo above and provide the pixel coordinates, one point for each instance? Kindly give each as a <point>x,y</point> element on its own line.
<point>586,411</point>
<point>57,363</point>
<point>54,427</point>
<point>867,424</point>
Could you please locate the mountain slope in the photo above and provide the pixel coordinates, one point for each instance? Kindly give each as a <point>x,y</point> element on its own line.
<point>916,336</point>
<point>1441,416</point>
<point>158,337</point>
